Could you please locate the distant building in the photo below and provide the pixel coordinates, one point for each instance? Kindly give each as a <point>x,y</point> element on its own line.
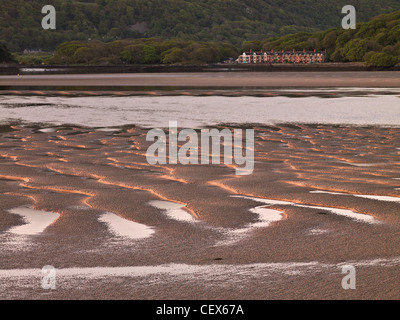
<point>30,51</point>
<point>298,57</point>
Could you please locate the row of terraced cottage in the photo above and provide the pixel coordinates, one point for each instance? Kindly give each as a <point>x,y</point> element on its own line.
<point>300,57</point>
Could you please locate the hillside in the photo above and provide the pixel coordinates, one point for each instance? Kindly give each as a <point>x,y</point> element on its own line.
<point>376,42</point>
<point>231,21</point>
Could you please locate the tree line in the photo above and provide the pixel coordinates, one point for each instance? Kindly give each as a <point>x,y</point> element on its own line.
<point>142,51</point>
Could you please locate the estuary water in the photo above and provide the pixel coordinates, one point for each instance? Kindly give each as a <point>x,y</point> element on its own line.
<point>370,106</point>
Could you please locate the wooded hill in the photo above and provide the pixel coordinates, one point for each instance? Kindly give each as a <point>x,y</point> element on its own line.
<point>376,43</point>
<point>232,21</point>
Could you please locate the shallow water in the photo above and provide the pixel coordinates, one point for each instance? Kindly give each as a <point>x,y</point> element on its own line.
<point>173,210</point>
<point>109,170</point>
<point>36,221</point>
<point>341,212</point>
<point>194,112</point>
<point>366,196</point>
<point>266,216</point>
<point>226,271</point>
<point>125,228</point>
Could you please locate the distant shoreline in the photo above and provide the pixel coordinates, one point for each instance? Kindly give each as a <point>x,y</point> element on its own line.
<point>78,69</point>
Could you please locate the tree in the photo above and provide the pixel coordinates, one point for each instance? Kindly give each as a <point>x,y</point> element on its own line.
<point>5,55</point>
<point>355,50</point>
<point>206,55</point>
<point>329,41</point>
<point>134,54</point>
<point>382,60</point>
<point>150,54</point>
<point>174,55</point>
<point>83,55</point>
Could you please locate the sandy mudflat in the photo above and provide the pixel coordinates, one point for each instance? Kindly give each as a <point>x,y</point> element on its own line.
<point>388,79</point>
<point>225,250</point>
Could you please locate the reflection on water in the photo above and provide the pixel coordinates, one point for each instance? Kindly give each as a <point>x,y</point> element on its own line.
<point>366,196</point>
<point>125,228</point>
<point>36,221</point>
<point>196,112</point>
<point>174,210</point>
<point>342,212</point>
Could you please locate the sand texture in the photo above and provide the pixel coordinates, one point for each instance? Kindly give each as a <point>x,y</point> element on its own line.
<point>387,79</point>
<point>202,232</point>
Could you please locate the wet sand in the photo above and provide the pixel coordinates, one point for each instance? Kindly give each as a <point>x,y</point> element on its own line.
<point>386,79</point>
<point>227,248</point>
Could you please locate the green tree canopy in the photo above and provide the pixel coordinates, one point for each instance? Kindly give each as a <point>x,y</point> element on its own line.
<point>5,55</point>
